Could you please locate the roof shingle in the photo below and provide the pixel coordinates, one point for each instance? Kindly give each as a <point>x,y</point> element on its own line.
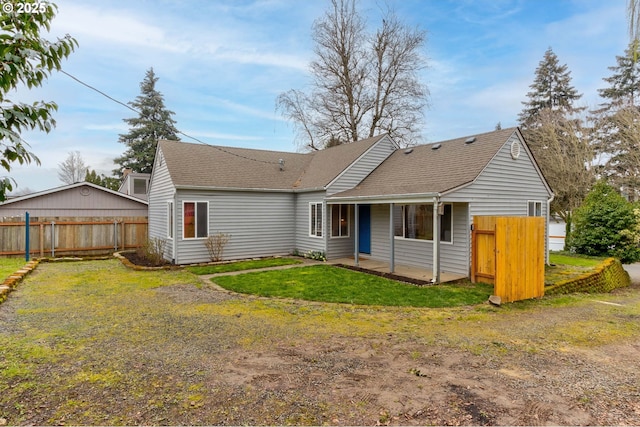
<point>423,170</point>
<point>208,166</point>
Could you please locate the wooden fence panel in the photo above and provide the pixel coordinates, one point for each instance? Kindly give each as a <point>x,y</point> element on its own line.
<point>518,253</point>
<point>483,258</point>
<point>67,236</point>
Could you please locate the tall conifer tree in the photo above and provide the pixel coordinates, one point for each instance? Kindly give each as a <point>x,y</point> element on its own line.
<point>551,89</point>
<point>154,122</point>
<point>617,124</point>
<point>557,136</point>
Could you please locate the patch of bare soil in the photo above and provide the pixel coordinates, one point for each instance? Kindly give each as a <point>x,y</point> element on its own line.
<point>209,357</point>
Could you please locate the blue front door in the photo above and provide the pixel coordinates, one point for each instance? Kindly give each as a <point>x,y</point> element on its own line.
<point>364,229</point>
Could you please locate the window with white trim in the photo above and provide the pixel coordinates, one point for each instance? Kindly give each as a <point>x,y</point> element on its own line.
<point>195,220</point>
<point>416,222</point>
<point>139,186</point>
<point>534,208</point>
<point>170,219</point>
<point>339,220</point>
<point>315,219</point>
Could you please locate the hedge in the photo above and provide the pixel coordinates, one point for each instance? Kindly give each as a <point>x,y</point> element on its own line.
<point>607,276</point>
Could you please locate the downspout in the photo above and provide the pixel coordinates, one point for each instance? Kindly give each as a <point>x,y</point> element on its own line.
<point>436,240</point>
<point>175,228</point>
<point>546,242</point>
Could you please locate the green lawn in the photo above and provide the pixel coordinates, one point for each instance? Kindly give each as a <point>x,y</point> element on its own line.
<point>242,265</point>
<point>333,284</point>
<point>573,260</point>
<point>9,266</point>
<point>565,266</point>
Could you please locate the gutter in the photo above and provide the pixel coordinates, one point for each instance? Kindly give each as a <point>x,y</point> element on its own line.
<point>392,198</point>
<point>249,189</point>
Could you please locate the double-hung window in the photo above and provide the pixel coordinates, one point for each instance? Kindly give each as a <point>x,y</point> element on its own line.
<point>339,220</point>
<point>195,220</point>
<point>416,222</point>
<point>315,219</point>
<point>534,208</point>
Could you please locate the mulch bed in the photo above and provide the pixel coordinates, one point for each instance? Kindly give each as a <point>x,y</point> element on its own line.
<point>141,260</point>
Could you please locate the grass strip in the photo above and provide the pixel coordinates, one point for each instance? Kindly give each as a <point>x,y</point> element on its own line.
<point>242,265</point>
<point>333,284</point>
<point>9,266</point>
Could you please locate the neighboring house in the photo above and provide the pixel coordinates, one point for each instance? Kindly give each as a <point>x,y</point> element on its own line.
<point>557,233</point>
<point>82,199</point>
<point>135,184</point>
<point>81,218</point>
<point>367,197</point>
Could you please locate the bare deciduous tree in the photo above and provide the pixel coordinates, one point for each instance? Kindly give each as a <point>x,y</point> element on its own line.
<point>363,84</point>
<point>73,169</point>
<point>563,151</point>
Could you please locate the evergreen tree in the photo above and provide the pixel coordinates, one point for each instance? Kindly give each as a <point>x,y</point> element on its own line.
<point>110,182</point>
<point>153,123</point>
<point>617,124</point>
<point>556,137</point>
<point>551,89</point>
<point>624,83</point>
<point>606,225</point>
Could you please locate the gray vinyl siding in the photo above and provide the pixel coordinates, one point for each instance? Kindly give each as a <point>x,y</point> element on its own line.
<point>259,224</point>
<point>303,241</point>
<point>362,167</point>
<point>161,191</point>
<point>82,201</point>
<point>454,257</point>
<point>340,247</point>
<point>505,186</point>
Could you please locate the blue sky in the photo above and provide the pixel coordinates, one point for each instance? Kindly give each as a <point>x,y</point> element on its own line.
<point>222,63</point>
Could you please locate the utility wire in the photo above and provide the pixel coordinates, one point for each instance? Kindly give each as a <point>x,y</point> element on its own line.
<point>159,122</point>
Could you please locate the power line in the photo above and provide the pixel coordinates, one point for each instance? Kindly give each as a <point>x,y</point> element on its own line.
<point>159,122</point>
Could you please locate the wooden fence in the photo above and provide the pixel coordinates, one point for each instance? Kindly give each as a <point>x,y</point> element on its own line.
<point>509,253</point>
<point>71,236</point>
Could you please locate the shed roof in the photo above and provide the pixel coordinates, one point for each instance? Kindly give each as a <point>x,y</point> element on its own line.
<point>209,166</point>
<point>423,169</point>
<point>62,188</point>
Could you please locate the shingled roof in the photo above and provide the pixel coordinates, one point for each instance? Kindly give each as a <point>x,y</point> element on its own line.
<point>424,170</point>
<point>207,166</point>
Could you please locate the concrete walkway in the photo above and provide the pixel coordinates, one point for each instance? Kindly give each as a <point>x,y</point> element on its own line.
<point>305,262</point>
<point>634,272</point>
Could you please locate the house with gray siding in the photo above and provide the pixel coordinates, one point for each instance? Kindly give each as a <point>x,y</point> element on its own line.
<point>78,200</point>
<point>368,198</point>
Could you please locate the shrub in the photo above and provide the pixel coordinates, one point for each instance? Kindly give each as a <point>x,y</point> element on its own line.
<point>215,245</point>
<point>316,255</point>
<point>153,250</point>
<point>606,225</point>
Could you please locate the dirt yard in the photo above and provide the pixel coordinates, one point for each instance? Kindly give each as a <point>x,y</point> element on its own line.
<point>94,343</point>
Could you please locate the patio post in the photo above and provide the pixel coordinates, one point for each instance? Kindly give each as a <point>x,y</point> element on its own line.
<point>392,255</point>
<point>356,242</point>
<point>436,240</point>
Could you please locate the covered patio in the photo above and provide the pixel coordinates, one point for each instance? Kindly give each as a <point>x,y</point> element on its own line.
<point>410,272</point>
